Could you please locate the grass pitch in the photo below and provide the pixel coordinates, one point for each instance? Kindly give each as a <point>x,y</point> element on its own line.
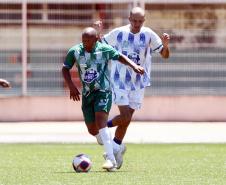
<point>159,164</point>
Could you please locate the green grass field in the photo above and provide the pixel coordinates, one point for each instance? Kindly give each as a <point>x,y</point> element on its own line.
<point>143,164</point>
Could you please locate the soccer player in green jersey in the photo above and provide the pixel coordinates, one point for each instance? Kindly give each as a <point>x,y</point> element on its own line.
<point>5,83</point>
<point>91,58</point>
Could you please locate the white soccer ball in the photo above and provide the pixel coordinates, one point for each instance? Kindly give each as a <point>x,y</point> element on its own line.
<point>82,163</point>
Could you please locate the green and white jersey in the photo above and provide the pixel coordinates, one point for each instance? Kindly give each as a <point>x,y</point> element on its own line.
<point>92,67</point>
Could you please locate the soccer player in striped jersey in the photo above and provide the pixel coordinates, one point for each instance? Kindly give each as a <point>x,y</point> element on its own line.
<point>91,58</point>
<point>137,43</point>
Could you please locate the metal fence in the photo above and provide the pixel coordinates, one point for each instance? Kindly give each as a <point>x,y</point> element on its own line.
<point>197,60</point>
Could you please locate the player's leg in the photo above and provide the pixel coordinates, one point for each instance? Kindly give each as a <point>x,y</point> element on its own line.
<point>94,131</point>
<point>134,100</point>
<point>101,122</point>
<point>121,99</point>
<point>122,122</point>
<point>89,116</point>
<point>125,116</point>
<point>118,150</point>
<point>99,127</point>
<point>102,106</point>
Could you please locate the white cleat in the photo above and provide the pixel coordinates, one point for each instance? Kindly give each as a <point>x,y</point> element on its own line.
<point>105,158</point>
<point>111,170</point>
<point>118,156</point>
<point>109,164</point>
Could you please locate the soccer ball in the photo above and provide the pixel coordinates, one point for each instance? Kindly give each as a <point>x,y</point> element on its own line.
<point>82,163</point>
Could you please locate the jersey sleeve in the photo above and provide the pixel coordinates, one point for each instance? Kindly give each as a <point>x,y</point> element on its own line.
<point>70,59</point>
<point>113,54</point>
<point>110,38</point>
<point>156,42</point>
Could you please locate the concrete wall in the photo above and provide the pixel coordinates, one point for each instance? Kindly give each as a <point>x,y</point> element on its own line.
<point>154,108</point>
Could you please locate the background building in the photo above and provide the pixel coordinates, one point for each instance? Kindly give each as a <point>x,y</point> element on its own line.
<point>197,28</point>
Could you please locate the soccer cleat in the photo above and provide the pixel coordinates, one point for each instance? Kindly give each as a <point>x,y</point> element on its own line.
<point>111,170</point>
<point>109,164</point>
<point>118,156</point>
<point>105,157</point>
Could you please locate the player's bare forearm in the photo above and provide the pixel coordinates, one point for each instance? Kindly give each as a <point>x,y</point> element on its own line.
<point>67,77</point>
<point>165,52</point>
<point>74,93</point>
<point>165,42</point>
<point>98,27</point>
<point>125,60</point>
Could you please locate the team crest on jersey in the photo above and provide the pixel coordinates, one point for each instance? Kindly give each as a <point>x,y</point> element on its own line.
<point>82,61</point>
<point>125,44</point>
<point>90,75</point>
<point>135,58</point>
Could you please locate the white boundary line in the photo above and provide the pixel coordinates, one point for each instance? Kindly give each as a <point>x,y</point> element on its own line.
<point>138,132</point>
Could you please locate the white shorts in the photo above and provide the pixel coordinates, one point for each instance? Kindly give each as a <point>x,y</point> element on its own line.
<point>125,97</point>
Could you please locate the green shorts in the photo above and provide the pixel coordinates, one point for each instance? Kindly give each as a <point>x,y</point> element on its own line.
<point>96,102</point>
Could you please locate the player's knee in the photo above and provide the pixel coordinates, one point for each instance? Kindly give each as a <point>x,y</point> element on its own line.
<point>92,132</point>
<point>126,118</point>
<point>92,129</point>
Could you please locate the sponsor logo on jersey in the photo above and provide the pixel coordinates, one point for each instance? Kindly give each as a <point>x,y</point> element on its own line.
<point>135,58</point>
<point>90,75</point>
<point>101,103</point>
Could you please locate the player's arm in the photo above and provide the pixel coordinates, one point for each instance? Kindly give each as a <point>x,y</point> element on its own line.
<point>5,83</point>
<point>125,60</point>
<point>98,25</point>
<point>68,64</point>
<point>165,41</point>
<point>74,93</point>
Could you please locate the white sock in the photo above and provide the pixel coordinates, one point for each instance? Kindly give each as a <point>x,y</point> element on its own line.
<point>99,139</point>
<point>116,147</point>
<point>106,138</point>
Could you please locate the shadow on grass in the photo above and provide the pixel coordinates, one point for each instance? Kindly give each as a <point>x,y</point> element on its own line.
<point>94,172</point>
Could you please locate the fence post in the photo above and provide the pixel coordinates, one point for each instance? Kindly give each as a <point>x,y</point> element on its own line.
<point>24,47</point>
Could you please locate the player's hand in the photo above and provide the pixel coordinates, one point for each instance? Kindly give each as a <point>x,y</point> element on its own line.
<point>165,39</point>
<point>139,69</point>
<point>74,94</point>
<point>5,84</point>
<point>97,25</point>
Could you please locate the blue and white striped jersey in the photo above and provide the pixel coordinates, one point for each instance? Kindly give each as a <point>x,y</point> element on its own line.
<point>138,47</point>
